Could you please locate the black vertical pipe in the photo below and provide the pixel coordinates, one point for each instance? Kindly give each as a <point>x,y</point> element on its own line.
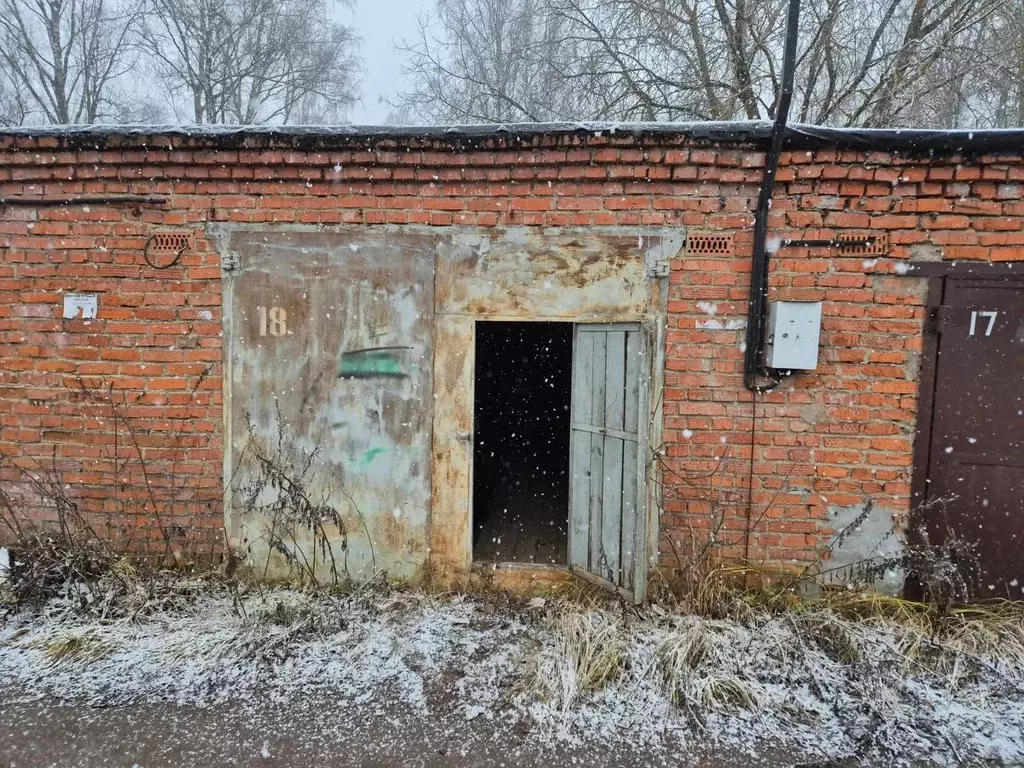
<point>757,306</point>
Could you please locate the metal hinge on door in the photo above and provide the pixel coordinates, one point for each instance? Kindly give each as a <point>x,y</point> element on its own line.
<point>229,261</point>
<point>658,269</point>
<point>937,319</point>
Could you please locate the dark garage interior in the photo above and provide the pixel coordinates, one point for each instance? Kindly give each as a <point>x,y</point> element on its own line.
<point>521,449</point>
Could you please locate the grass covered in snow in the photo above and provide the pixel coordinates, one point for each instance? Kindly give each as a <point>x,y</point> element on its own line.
<point>817,678</point>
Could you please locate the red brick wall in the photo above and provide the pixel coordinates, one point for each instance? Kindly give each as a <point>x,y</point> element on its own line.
<point>844,433</point>
<point>834,437</point>
<point>116,411</point>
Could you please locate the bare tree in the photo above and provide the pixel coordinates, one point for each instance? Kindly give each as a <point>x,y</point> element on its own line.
<point>918,41</point>
<point>253,61</point>
<point>12,106</point>
<point>61,57</point>
<point>861,62</point>
<point>994,93</point>
<point>491,60</point>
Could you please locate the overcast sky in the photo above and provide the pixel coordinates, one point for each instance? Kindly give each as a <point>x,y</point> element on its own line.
<point>381,24</point>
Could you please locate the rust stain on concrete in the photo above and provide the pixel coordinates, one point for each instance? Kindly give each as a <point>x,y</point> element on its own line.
<point>393,437</point>
<point>532,273</point>
<point>451,518</point>
<point>299,301</point>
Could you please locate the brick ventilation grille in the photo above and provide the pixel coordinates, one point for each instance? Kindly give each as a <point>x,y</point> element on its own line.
<point>709,245</point>
<point>117,270</point>
<point>878,246</point>
<point>164,243</point>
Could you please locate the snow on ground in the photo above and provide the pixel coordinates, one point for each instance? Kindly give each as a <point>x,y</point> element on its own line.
<point>560,672</point>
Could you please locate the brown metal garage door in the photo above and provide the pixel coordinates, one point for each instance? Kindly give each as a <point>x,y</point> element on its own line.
<point>975,459</point>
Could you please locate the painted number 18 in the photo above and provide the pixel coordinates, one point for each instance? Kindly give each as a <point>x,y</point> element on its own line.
<point>991,316</point>
<point>273,319</point>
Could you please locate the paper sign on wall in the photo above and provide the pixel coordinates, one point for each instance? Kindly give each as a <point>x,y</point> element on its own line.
<point>80,306</point>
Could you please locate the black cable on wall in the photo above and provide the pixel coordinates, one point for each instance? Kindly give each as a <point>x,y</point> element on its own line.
<point>757,305</point>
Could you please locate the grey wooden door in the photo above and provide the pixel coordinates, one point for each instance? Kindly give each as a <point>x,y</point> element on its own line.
<point>607,490</point>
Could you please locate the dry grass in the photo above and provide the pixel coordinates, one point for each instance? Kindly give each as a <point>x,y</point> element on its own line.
<point>718,692</point>
<point>273,630</point>
<point>583,593</point>
<point>985,630</point>
<point>79,645</point>
<point>995,629</point>
<point>691,676</point>
<point>829,632</point>
<point>692,659</point>
<point>588,652</point>
<point>938,637</point>
<point>72,568</point>
<point>851,667</point>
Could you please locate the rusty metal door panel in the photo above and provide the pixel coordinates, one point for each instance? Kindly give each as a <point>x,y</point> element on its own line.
<point>975,481</point>
<point>451,525</point>
<point>535,273</point>
<point>330,333</point>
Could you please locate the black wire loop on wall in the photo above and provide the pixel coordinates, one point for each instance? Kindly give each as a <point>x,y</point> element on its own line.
<point>158,236</point>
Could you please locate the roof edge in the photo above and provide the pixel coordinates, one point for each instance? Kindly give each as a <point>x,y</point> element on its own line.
<point>798,136</point>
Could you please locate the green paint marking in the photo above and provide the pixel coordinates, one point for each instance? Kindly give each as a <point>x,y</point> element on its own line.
<point>367,363</point>
<point>371,454</point>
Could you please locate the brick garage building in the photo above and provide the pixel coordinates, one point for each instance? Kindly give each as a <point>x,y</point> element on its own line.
<point>216,259</point>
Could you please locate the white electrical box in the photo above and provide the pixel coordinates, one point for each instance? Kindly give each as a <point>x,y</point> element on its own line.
<point>793,329</point>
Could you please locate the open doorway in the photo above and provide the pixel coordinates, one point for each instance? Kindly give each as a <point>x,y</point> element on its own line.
<point>521,442</point>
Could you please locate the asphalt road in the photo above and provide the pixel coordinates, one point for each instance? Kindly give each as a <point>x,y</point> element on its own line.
<point>294,734</point>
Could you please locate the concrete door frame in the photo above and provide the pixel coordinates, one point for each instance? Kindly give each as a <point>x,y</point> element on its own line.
<point>454,396</point>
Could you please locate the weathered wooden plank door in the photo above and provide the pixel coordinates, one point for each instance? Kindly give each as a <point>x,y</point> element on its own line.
<point>607,491</point>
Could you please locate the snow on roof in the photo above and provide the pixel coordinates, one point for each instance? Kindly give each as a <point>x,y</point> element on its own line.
<point>799,136</point>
